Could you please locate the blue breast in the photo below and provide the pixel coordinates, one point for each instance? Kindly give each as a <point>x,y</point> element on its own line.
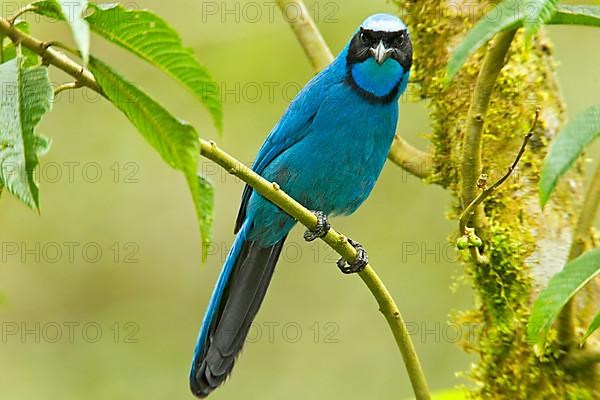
<point>376,79</point>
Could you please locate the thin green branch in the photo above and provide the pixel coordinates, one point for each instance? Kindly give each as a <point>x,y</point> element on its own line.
<point>581,235</point>
<point>49,55</point>
<point>407,157</point>
<point>472,141</point>
<point>272,192</point>
<point>66,86</point>
<point>470,210</point>
<point>339,243</point>
<point>19,13</point>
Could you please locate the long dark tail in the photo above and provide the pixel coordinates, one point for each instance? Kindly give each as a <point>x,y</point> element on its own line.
<point>235,301</point>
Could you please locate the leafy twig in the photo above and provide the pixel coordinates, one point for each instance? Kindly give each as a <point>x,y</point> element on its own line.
<point>50,55</point>
<point>407,157</point>
<point>272,192</point>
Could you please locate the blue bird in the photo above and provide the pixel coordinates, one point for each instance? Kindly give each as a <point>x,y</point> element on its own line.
<point>327,151</point>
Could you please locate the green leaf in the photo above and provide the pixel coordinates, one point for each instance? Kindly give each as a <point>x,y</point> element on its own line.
<point>576,15</point>
<point>152,39</point>
<point>592,328</point>
<point>26,96</point>
<point>10,51</point>
<point>48,8</point>
<point>73,12</point>
<point>536,13</point>
<point>567,147</point>
<point>176,141</point>
<point>561,288</point>
<point>504,16</point>
<point>205,207</point>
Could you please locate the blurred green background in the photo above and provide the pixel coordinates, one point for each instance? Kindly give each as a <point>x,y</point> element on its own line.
<point>103,294</point>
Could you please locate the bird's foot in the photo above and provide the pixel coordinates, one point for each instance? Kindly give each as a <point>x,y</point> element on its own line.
<point>359,263</point>
<point>321,229</point>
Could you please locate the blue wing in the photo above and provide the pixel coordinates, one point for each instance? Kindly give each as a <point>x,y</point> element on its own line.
<point>293,126</point>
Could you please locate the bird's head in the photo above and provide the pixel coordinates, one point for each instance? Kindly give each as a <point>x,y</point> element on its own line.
<point>379,56</point>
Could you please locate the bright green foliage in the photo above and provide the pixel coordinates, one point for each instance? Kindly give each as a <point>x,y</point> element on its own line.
<point>512,14</point>
<point>73,12</point>
<point>176,141</point>
<point>149,37</point>
<point>26,96</point>
<point>10,51</point>
<point>561,288</point>
<point>503,16</point>
<point>592,328</point>
<point>48,8</point>
<point>205,207</point>
<point>577,15</point>
<point>568,146</point>
<point>152,39</point>
<point>536,13</point>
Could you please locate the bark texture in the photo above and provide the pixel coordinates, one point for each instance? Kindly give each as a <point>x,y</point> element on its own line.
<point>525,246</point>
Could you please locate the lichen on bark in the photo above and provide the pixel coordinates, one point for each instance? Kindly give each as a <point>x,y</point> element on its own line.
<point>524,246</point>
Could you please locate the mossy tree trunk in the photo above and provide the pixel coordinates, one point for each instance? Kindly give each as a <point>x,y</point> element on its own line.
<point>524,246</point>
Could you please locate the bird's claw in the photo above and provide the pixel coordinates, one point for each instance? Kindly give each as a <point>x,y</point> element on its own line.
<point>359,263</point>
<point>321,229</point>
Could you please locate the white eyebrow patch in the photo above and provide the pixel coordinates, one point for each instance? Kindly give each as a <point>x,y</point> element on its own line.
<point>383,23</point>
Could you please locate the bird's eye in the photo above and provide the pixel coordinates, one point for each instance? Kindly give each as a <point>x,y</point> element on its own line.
<point>399,40</point>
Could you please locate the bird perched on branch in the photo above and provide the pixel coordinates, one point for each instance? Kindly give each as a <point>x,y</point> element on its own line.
<point>327,151</point>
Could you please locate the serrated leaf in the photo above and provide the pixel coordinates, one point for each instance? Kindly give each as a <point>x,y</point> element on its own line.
<point>176,141</point>
<point>561,288</point>
<point>205,205</point>
<point>594,325</point>
<point>26,95</point>
<point>10,51</point>
<point>149,37</point>
<point>576,15</point>
<point>504,16</point>
<point>567,147</point>
<point>536,13</point>
<point>73,11</point>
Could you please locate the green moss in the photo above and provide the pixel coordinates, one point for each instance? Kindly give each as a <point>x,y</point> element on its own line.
<point>508,367</point>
